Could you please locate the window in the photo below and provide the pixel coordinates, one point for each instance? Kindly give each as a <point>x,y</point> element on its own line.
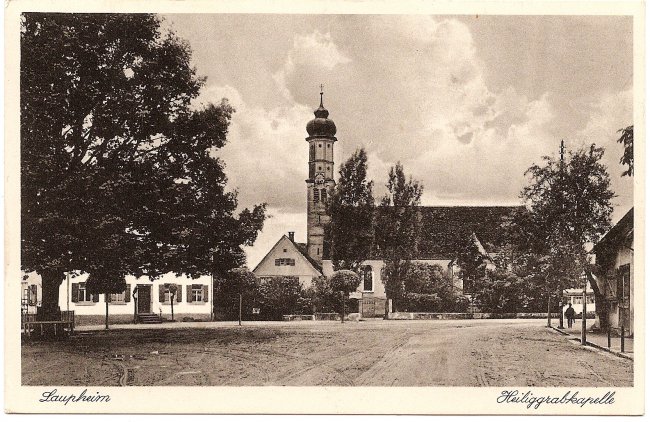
<point>284,262</point>
<point>623,285</point>
<point>316,195</point>
<point>33,295</point>
<point>366,277</point>
<point>320,145</point>
<point>323,195</point>
<point>165,295</point>
<point>197,292</point>
<point>80,294</point>
<point>328,145</point>
<point>312,152</point>
<point>116,297</point>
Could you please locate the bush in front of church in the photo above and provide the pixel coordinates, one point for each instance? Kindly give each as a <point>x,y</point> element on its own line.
<point>326,295</point>
<point>278,296</point>
<point>430,288</point>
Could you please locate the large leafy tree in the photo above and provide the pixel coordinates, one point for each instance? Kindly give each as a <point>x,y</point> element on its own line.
<point>627,139</point>
<point>350,233</point>
<point>570,206</point>
<point>118,171</point>
<point>397,230</point>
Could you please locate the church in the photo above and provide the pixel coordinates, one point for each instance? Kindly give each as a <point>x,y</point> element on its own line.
<point>444,229</point>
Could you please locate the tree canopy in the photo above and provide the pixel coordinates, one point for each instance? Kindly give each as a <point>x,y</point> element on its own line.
<point>119,173</point>
<point>627,139</point>
<point>570,206</point>
<point>398,228</point>
<point>350,233</point>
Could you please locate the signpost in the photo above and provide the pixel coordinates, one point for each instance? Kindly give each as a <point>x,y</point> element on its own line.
<point>583,337</point>
<point>172,295</point>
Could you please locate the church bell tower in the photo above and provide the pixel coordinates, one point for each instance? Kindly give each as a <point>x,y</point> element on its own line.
<point>321,140</point>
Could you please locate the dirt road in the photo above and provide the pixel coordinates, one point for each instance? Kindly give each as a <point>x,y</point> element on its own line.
<point>370,353</point>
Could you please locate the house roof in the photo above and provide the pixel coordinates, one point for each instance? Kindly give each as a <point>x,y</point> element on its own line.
<point>300,247</point>
<point>445,230</point>
<point>619,233</point>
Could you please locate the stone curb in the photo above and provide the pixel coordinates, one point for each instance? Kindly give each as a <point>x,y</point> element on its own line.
<point>596,346</point>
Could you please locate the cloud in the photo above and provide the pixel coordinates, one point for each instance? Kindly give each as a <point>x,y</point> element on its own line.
<point>609,113</point>
<point>311,53</point>
<point>407,88</point>
<point>266,154</point>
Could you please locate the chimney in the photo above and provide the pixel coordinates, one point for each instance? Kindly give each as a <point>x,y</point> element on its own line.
<point>291,236</point>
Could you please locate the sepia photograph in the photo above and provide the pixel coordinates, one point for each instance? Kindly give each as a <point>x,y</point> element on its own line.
<point>360,200</point>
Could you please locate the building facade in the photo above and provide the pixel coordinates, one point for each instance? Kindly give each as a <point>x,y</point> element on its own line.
<point>289,259</point>
<point>615,276</point>
<point>142,297</point>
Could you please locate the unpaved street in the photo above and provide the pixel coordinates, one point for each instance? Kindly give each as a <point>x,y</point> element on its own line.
<point>369,353</point>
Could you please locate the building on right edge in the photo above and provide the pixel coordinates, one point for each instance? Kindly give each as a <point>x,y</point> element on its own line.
<point>615,275</point>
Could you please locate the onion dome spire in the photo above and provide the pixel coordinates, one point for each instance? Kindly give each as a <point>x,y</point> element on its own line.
<point>321,125</point>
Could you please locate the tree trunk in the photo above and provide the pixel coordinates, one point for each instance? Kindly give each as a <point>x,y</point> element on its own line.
<point>548,316</point>
<point>560,305</point>
<point>49,310</point>
<point>50,282</point>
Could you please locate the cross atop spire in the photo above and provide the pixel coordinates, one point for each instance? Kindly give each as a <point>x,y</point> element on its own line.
<point>321,95</point>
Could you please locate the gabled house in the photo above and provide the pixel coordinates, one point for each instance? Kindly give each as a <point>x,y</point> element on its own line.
<point>615,276</point>
<point>288,258</point>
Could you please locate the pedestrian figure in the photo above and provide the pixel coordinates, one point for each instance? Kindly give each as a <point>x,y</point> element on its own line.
<point>570,314</point>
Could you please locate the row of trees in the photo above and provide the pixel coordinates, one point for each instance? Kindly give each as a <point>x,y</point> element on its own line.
<point>119,174</point>
<point>357,232</point>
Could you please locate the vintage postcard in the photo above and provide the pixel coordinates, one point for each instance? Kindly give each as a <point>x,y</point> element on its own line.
<point>325,207</point>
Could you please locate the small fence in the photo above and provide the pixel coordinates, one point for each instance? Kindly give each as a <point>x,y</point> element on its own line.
<point>467,315</point>
<point>30,322</point>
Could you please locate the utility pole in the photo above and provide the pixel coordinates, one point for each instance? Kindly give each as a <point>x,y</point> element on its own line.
<point>584,315</point>
<point>561,293</point>
<point>240,306</point>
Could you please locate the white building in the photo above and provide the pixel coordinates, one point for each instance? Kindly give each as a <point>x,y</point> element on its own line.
<point>142,300</point>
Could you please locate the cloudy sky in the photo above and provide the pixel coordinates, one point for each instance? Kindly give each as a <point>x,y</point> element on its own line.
<point>466,103</point>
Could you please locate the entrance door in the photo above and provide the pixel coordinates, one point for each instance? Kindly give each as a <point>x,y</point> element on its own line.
<point>144,299</point>
<point>372,307</point>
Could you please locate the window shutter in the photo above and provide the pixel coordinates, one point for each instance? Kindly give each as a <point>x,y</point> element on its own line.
<point>189,293</point>
<point>75,292</point>
<point>179,293</point>
<point>33,294</point>
<point>95,298</point>
<point>127,293</point>
<point>205,293</point>
<point>161,293</point>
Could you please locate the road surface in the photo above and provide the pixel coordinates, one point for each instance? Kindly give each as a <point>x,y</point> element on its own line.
<point>369,353</point>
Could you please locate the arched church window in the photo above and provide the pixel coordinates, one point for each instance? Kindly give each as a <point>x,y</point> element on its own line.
<point>316,195</point>
<point>366,276</point>
<point>312,152</point>
<point>323,195</point>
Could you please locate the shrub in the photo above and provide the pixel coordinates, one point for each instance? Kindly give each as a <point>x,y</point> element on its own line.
<point>282,296</point>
